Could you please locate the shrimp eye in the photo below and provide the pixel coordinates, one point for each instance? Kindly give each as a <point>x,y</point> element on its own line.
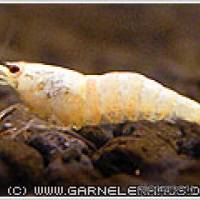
<point>13,68</point>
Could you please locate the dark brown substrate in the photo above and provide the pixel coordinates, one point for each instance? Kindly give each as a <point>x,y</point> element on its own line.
<point>125,154</point>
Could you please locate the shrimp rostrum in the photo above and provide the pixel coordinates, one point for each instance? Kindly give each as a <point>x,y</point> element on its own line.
<point>77,100</point>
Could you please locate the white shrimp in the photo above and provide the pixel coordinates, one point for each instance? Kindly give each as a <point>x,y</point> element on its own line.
<point>77,100</point>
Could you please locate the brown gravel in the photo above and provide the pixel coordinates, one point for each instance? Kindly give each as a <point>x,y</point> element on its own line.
<point>127,153</point>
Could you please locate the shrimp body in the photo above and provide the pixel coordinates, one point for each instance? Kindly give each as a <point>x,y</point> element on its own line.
<point>77,100</point>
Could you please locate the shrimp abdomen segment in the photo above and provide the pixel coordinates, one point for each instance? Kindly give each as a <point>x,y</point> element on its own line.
<point>121,96</point>
<point>186,109</point>
<point>92,113</point>
<point>109,103</point>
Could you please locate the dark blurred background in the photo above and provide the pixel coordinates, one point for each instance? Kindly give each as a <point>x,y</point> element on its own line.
<point>160,41</point>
